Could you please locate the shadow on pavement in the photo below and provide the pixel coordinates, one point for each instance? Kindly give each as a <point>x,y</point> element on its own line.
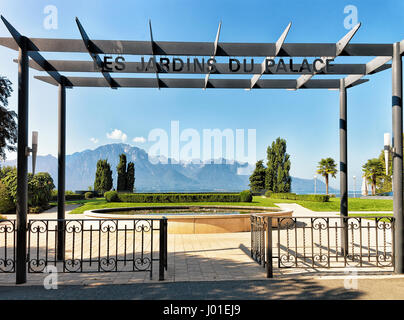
<point>204,290</point>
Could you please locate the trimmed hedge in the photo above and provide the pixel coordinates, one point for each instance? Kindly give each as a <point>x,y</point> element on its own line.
<point>89,195</point>
<point>113,196</point>
<point>294,196</point>
<point>70,197</point>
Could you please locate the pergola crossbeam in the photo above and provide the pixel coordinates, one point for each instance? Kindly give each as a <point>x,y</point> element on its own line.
<point>371,67</point>
<point>214,52</point>
<point>24,42</point>
<point>154,55</point>
<point>278,47</point>
<point>340,46</point>
<point>199,83</point>
<point>171,48</point>
<point>97,60</point>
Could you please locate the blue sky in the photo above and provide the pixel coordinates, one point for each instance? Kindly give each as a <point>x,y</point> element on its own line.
<point>308,120</point>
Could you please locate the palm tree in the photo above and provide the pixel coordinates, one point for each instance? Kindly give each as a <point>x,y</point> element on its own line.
<point>372,170</point>
<point>327,167</point>
<point>8,125</point>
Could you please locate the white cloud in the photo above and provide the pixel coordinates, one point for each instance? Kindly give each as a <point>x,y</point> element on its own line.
<point>117,135</point>
<point>94,140</point>
<point>139,139</point>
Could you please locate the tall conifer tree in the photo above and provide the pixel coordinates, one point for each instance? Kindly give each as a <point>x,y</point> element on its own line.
<point>277,178</point>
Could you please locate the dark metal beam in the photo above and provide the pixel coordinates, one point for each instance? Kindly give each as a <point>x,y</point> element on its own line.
<point>97,60</point>
<point>22,164</point>
<point>61,171</point>
<point>124,47</point>
<point>199,83</point>
<point>343,145</point>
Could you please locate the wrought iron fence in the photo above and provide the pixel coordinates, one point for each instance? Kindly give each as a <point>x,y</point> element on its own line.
<point>90,245</point>
<point>322,242</point>
<point>7,246</point>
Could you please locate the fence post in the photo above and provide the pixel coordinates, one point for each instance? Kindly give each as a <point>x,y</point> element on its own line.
<point>162,247</point>
<point>165,243</point>
<point>269,267</point>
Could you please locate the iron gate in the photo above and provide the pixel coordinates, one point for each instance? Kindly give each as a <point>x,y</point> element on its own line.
<point>108,245</point>
<point>322,242</point>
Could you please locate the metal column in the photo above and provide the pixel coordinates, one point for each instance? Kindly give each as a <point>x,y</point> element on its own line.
<point>61,171</point>
<point>22,164</point>
<point>398,158</point>
<point>343,163</point>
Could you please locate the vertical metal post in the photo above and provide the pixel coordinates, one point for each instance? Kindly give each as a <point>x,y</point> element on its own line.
<point>22,164</point>
<point>269,266</point>
<point>61,171</point>
<point>398,158</point>
<point>162,248</point>
<point>343,164</point>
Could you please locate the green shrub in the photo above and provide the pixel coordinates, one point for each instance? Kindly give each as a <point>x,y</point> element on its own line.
<point>88,195</point>
<point>268,194</point>
<point>36,209</point>
<point>246,196</point>
<point>6,202</point>
<point>111,196</point>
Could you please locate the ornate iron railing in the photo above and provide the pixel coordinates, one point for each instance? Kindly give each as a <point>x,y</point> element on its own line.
<point>7,246</point>
<point>108,245</point>
<point>323,242</point>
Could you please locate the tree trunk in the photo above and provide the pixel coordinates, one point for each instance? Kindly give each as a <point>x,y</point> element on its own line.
<point>373,187</point>
<point>326,184</point>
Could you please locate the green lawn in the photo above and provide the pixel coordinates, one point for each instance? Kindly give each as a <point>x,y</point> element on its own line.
<point>333,205</point>
<point>354,204</point>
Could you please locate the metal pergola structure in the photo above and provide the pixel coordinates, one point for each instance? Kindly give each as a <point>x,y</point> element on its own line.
<point>29,56</point>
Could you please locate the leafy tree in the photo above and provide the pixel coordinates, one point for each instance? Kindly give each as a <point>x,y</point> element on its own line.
<point>8,125</point>
<point>257,178</point>
<point>121,170</point>
<point>327,167</point>
<point>40,187</point>
<point>277,177</point>
<point>6,202</point>
<point>384,183</point>
<point>130,177</point>
<point>5,170</point>
<point>103,177</point>
<point>373,170</point>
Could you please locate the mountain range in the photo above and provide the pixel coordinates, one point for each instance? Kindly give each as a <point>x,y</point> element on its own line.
<point>170,176</point>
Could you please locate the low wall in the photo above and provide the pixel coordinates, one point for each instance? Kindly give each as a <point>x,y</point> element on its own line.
<point>197,224</point>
